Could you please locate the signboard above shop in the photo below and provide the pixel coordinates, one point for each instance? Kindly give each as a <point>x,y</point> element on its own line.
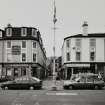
<point>78,65</point>
<point>16,50</point>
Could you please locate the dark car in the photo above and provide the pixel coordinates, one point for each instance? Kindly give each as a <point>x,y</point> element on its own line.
<point>84,81</point>
<point>23,83</point>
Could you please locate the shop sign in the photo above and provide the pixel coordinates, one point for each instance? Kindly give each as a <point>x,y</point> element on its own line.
<point>78,65</point>
<point>16,50</point>
<point>16,65</point>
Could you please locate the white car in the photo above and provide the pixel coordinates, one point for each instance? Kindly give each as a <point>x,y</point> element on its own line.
<point>84,81</point>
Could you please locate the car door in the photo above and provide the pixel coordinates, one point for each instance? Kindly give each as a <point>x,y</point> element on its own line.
<point>81,82</point>
<point>89,82</point>
<point>25,83</point>
<point>18,84</point>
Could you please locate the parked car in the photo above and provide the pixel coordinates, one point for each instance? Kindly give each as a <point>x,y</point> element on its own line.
<point>84,81</point>
<point>23,83</point>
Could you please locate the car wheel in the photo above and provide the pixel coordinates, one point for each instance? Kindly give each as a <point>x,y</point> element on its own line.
<point>5,88</point>
<point>31,88</point>
<point>96,87</point>
<point>71,87</point>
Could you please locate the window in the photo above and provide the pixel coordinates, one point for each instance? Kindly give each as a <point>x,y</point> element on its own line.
<point>23,57</point>
<point>0,33</point>
<point>78,56</point>
<point>68,56</point>
<point>67,44</point>
<point>9,31</point>
<point>23,44</point>
<point>34,44</point>
<point>24,31</point>
<point>34,57</point>
<point>8,44</point>
<point>34,32</point>
<point>78,42</point>
<point>104,49</point>
<point>92,42</point>
<point>9,57</point>
<point>92,56</point>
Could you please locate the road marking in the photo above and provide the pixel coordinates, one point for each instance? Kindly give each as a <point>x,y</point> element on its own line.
<point>36,103</point>
<point>61,94</point>
<point>66,94</point>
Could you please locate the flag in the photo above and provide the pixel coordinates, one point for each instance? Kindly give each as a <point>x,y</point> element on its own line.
<point>54,18</point>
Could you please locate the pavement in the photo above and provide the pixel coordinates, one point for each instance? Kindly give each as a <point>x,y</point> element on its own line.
<point>48,84</point>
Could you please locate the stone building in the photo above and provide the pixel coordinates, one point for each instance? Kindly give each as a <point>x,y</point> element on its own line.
<point>22,52</point>
<point>84,53</point>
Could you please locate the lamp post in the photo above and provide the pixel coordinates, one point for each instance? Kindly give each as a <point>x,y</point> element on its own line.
<point>54,28</point>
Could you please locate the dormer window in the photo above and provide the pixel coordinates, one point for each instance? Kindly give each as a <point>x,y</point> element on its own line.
<point>23,31</point>
<point>9,31</point>
<point>34,32</point>
<point>0,34</point>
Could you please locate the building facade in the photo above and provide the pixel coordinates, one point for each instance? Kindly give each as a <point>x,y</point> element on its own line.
<point>22,52</point>
<point>84,53</point>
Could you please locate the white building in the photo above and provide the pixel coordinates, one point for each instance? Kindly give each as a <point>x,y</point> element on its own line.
<point>84,53</point>
<point>22,52</point>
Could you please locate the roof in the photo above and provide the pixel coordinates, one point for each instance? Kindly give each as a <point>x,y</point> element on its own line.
<point>99,35</point>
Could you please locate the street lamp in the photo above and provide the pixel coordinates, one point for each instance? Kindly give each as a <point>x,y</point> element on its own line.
<point>54,28</point>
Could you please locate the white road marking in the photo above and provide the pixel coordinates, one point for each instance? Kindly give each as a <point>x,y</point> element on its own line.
<point>61,94</point>
<point>37,103</point>
<point>66,94</point>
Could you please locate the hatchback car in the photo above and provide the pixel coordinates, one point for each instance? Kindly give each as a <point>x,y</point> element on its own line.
<point>84,81</point>
<point>23,83</point>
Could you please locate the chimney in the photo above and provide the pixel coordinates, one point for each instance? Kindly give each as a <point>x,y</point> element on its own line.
<point>9,25</point>
<point>85,28</point>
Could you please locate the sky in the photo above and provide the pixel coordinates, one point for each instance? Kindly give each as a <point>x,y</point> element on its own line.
<point>39,14</point>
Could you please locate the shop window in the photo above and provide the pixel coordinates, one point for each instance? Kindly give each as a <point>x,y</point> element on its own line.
<point>23,44</point>
<point>78,56</point>
<point>23,57</point>
<point>23,71</point>
<point>16,72</point>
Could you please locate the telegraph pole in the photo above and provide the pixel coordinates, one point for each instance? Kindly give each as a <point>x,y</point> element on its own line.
<point>54,28</point>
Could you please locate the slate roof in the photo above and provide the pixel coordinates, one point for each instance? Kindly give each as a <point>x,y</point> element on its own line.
<point>99,35</point>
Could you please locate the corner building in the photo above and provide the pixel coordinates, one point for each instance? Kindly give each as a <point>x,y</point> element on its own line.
<point>22,52</point>
<point>84,53</point>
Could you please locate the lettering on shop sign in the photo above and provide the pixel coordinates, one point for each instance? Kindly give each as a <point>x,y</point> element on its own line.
<point>16,50</point>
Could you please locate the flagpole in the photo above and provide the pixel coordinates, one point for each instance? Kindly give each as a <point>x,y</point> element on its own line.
<point>54,49</point>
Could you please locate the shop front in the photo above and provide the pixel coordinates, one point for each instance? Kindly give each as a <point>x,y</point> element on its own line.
<point>15,70</point>
<point>74,68</point>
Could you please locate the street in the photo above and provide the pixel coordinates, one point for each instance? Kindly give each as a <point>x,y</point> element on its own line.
<point>47,96</point>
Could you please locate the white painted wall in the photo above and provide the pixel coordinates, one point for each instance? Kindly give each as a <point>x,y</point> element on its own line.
<point>85,50</point>
<point>100,50</point>
<point>29,50</point>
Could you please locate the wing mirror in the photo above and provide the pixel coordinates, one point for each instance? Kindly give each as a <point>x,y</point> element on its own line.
<point>78,81</point>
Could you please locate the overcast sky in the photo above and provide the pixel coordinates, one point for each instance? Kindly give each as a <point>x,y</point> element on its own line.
<point>39,13</point>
